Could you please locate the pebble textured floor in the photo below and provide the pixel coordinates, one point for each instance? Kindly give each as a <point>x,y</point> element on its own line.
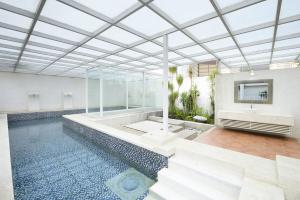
<point>52,162</point>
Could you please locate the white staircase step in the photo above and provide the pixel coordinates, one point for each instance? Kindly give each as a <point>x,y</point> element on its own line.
<point>288,170</point>
<point>194,189</point>
<point>206,166</point>
<point>161,191</point>
<point>151,197</point>
<point>257,190</point>
<point>185,133</point>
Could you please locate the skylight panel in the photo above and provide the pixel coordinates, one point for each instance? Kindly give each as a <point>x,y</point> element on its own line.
<point>79,56</point>
<point>289,8</point>
<point>183,11</point>
<point>288,51</point>
<point>258,56</point>
<point>105,62</point>
<point>283,58</point>
<point>289,28</point>
<point>259,61</point>
<point>30,5</point>
<point>221,43</point>
<point>234,59</point>
<point>110,8</point>
<point>120,35</point>
<point>254,48</point>
<point>46,41</point>
<point>146,22</point>
<point>289,42</point>
<point>55,10</point>
<point>208,29</point>
<point>192,50</point>
<point>177,38</point>
<point>152,67</point>
<point>37,54</point>
<point>253,36</point>
<point>88,51</point>
<point>151,59</point>
<point>58,32</point>
<point>253,15</point>
<point>43,49</point>
<point>137,63</point>
<point>117,58</point>
<point>16,44</point>
<point>131,53</point>
<point>102,45</point>
<point>226,3</point>
<point>171,55</point>
<point>11,33</point>
<point>149,47</point>
<point>204,57</point>
<point>15,19</point>
<point>9,50</point>
<point>228,53</point>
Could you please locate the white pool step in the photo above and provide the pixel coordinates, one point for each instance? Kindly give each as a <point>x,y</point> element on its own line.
<point>202,189</point>
<point>224,174</point>
<point>161,191</point>
<point>258,190</point>
<point>289,176</point>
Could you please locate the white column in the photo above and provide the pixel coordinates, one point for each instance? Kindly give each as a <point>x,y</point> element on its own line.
<point>127,90</point>
<point>101,91</point>
<point>165,86</point>
<point>86,91</point>
<point>143,105</point>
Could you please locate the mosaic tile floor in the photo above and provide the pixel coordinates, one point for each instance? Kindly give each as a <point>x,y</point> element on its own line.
<point>52,162</point>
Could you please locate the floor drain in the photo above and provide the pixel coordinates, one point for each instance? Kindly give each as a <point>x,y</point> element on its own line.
<point>130,183</point>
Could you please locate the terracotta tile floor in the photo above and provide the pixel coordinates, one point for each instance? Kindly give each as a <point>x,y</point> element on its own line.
<point>267,146</point>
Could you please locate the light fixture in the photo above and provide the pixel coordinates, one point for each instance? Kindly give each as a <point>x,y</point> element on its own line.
<point>251,72</point>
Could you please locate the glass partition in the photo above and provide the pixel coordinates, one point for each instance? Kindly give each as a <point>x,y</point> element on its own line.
<point>135,90</point>
<point>153,91</point>
<point>93,91</point>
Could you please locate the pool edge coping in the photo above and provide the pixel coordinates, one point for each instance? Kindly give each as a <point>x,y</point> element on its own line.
<point>6,181</point>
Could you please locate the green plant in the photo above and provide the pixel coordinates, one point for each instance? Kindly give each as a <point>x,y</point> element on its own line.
<point>170,87</point>
<point>172,102</point>
<point>184,101</point>
<point>179,79</point>
<point>212,79</point>
<point>173,70</point>
<point>190,72</point>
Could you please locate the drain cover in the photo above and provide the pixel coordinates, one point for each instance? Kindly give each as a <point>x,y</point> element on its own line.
<point>130,183</point>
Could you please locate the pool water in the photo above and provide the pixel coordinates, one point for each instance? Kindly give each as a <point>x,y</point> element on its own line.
<point>50,161</point>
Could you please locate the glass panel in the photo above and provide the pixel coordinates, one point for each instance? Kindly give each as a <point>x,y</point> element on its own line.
<point>110,8</point>
<point>89,51</point>
<point>9,50</point>
<point>34,38</point>
<point>285,58</point>
<point>30,5</point>
<point>262,34</point>
<point>289,51</point>
<point>137,21</point>
<point>80,56</point>
<point>253,15</point>
<point>93,91</point>
<point>208,29</point>
<point>228,53</point>
<point>149,47</point>
<point>178,38</point>
<point>137,63</point>
<point>16,44</point>
<point>37,54</point>
<point>151,59</point>
<point>102,45</point>
<point>219,44</point>
<point>135,90</point>
<point>289,28</point>
<point>192,50</point>
<point>120,35</point>
<point>116,58</point>
<point>204,57</point>
<point>225,3</point>
<point>189,9</point>
<point>11,33</point>
<point>254,48</point>
<point>58,32</point>
<point>114,91</point>
<point>131,53</point>
<point>55,10</point>
<point>183,61</point>
<point>14,19</point>
<point>43,49</point>
<point>153,91</point>
<point>258,56</point>
<point>289,8</point>
<point>289,42</point>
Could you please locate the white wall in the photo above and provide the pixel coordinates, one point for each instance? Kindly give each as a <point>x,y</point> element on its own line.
<point>14,89</point>
<point>286,93</point>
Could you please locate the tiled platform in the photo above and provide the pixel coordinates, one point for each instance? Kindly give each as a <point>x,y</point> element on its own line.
<point>267,146</point>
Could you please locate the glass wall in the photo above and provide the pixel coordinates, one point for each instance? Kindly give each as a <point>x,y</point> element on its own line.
<point>93,91</point>
<point>122,90</point>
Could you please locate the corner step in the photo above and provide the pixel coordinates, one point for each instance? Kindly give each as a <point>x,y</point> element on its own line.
<point>161,191</point>
<point>257,190</point>
<point>194,189</point>
<point>200,165</point>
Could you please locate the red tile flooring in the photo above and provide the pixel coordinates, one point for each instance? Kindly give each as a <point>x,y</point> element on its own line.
<point>267,146</point>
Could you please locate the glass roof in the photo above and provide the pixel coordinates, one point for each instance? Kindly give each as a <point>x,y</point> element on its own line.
<point>69,37</point>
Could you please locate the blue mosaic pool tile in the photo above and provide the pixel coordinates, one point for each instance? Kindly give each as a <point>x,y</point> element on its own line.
<point>140,158</point>
<point>60,164</point>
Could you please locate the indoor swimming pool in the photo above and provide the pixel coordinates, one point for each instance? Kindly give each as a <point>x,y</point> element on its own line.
<point>50,161</point>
